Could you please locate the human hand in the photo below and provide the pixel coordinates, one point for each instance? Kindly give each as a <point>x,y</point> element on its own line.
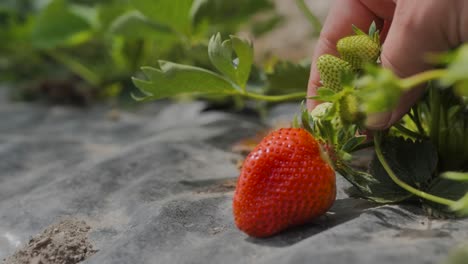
<point>416,28</point>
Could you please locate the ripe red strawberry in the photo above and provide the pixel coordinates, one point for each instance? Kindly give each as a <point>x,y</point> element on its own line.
<point>284,182</point>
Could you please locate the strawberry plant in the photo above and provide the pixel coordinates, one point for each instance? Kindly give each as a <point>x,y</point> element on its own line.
<point>232,58</point>
<point>422,159</point>
<point>96,47</point>
<point>411,157</point>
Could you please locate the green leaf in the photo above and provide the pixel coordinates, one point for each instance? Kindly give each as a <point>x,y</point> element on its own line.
<point>108,12</point>
<point>455,176</point>
<point>353,142</point>
<point>221,55</point>
<point>89,14</point>
<point>305,118</point>
<point>374,33</point>
<point>197,4</point>
<point>449,189</point>
<point>56,25</point>
<point>363,182</point>
<point>323,111</point>
<point>372,29</point>
<point>174,79</point>
<point>324,123</point>
<point>287,77</point>
<point>244,52</point>
<point>134,25</point>
<point>295,123</point>
<point>175,14</point>
<point>413,162</point>
<point>325,94</point>
<point>228,16</point>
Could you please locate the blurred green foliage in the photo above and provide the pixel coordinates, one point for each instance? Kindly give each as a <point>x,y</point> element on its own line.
<point>89,49</point>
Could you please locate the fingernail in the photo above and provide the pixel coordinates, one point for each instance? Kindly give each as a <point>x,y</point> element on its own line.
<point>378,121</point>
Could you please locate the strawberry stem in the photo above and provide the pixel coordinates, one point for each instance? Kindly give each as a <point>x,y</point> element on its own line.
<point>407,187</point>
<point>420,78</point>
<point>363,146</point>
<point>76,67</point>
<point>435,115</point>
<point>275,98</point>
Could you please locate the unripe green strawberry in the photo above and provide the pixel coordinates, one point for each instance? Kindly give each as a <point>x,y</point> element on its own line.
<point>348,109</point>
<point>284,182</point>
<point>358,50</point>
<point>331,70</point>
<point>320,112</point>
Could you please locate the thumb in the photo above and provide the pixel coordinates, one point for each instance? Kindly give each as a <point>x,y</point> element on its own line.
<point>410,38</point>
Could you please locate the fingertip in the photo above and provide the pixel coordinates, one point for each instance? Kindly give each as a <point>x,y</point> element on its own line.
<point>314,83</point>
<point>379,121</point>
<point>384,120</point>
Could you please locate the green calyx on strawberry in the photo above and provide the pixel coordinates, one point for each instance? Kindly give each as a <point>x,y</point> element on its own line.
<point>349,110</point>
<point>284,182</point>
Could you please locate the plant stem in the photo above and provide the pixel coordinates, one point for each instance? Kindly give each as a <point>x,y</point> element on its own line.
<point>275,98</point>
<point>420,78</point>
<point>424,195</point>
<point>455,175</point>
<point>79,69</point>
<point>434,98</point>
<point>363,146</point>
<point>313,19</point>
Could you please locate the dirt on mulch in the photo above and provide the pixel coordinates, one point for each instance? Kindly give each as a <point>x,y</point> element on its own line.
<point>65,242</point>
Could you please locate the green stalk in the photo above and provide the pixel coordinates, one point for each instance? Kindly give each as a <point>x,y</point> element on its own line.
<point>420,78</point>
<point>435,116</point>
<point>407,187</point>
<point>275,98</point>
<point>313,19</point>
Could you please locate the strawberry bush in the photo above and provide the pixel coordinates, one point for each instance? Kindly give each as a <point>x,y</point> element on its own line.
<point>94,47</point>
<point>421,159</point>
